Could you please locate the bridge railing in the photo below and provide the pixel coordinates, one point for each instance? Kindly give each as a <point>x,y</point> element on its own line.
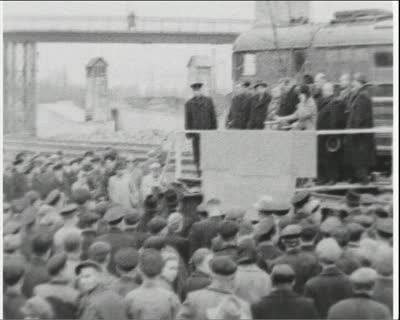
<point>122,24</point>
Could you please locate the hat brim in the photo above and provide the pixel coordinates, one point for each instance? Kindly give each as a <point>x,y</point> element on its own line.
<point>86,264</point>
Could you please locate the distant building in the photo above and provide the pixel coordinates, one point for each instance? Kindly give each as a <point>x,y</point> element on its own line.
<point>200,70</point>
<point>282,12</point>
<point>97,104</point>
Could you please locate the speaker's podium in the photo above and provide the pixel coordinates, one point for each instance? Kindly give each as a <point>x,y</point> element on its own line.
<point>238,166</point>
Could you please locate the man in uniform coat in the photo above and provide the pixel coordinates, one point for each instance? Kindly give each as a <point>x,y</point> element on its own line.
<point>330,117</point>
<point>283,302</point>
<point>199,115</point>
<point>359,149</point>
<point>240,108</point>
<point>259,107</point>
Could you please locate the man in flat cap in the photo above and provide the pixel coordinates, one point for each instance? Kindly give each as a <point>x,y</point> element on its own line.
<point>151,300</point>
<point>360,305</point>
<point>225,243</point>
<point>259,107</point>
<point>97,302</point>
<point>13,298</point>
<point>115,235</point>
<point>331,285</point>
<point>58,288</point>
<point>360,149</point>
<point>265,235</point>
<point>283,302</point>
<point>199,115</point>
<point>100,252</point>
<point>383,290</point>
<point>126,261</point>
<point>199,302</point>
<point>304,265</point>
<point>384,231</point>
<point>239,112</point>
<point>36,270</point>
<point>251,283</point>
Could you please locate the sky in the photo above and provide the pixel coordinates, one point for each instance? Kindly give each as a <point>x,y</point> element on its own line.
<point>132,64</point>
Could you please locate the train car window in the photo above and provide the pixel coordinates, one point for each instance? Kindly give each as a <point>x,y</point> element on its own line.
<point>237,65</point>
<point>383,59</point>
<point>249,64</point>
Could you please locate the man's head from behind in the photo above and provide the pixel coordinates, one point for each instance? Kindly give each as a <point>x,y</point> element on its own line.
<point>283,276</point>
<point>151,263</point>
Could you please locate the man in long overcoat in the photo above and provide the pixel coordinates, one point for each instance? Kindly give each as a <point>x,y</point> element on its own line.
<point>199,115</point>
<point>240,108</point>
<point>259,107</point>
<point>330,153</point>
<point>359,149</point>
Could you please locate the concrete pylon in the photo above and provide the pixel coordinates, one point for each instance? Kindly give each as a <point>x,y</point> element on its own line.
<point>19,92</point>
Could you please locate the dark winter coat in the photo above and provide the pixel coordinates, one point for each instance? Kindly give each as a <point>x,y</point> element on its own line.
<point>200,114</point>
<point>258,111</point>
<point>359,149</point>
<point>239,112</point>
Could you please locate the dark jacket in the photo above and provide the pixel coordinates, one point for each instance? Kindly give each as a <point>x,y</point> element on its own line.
<point>182,245</point>
<point>221,247</point>
<point>360,306</point>
<point>288,103</point>
<point>329,287</point>
<point>125,284</point>
<point>383,291</point>
<point>284,304</point>
<point>359,149</point>
<point>258,111</point>
<point>200,114</point>
<point>196,281</point>
<point>117,240</point>
<point>101,304</point>
<point>239,112</point>
<point>35,274</point>
<point>304,264</point>
<point>139,237</point>
<point>267,253</point>
<point>12,304</point>
<point>202,233</point>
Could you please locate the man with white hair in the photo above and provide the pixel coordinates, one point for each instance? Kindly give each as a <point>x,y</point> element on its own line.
<point>331,116</point>
<point>361,305</point>
<point>152,181</point>
<point>331,285</point>
<point>319,82</point>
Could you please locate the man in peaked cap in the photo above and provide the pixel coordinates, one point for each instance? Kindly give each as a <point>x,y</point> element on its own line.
<point>126,261</point>
<point>283,302</point>
<point>360,305</point>
<point>223,270</point>
<point>267,206</point>
<point>225,244</point>
<point>199,115</point>
<point>331,285</point>
<point>70,221</point>
<point>259,107</point>
<point>13,298</point>
<point>58,287</point>
<point>305,265</point>
<point>115,235</point>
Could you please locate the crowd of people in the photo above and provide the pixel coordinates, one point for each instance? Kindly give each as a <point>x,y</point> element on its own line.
<point>314,104</point>
<point>104,237</point>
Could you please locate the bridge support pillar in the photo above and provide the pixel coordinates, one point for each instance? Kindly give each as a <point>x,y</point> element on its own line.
<point>19,90</point>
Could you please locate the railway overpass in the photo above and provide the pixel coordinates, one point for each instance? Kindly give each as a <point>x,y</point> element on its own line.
<point>22,33</point>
